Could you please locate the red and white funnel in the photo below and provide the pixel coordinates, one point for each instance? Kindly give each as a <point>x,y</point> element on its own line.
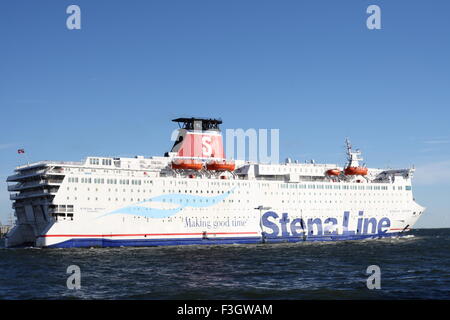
<point>199,138</point>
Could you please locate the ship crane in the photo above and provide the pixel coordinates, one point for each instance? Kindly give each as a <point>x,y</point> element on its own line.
<point>353,158</point>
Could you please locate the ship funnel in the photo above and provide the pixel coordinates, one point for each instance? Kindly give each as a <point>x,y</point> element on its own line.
<point>198,138</point>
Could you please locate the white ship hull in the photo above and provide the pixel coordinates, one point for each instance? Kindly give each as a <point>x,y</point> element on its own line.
<point>234,218</point>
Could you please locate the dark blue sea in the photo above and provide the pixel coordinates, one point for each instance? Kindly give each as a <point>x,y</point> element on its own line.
<point>413,267</point>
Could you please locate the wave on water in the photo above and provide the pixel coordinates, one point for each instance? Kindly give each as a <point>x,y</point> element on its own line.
<point>413,266</point>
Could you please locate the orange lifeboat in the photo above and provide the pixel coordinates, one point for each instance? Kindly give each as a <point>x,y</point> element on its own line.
<point>356,171</point>
<point>187,165</point>
<point>333,172</point>
<point>220,166</point>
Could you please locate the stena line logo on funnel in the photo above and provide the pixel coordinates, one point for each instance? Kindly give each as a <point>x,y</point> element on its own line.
<point>282,225</point>
<point>199,144</point>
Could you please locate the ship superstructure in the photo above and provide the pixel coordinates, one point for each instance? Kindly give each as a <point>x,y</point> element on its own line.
<point>194,195</point>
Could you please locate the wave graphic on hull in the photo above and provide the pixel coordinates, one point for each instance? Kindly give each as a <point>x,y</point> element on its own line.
<point>181,201</point>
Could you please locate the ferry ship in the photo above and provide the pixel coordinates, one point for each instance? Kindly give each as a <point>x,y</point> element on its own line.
<point>194,195</point>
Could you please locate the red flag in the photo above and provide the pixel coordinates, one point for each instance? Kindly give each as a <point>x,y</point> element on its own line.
<point>21,151</point>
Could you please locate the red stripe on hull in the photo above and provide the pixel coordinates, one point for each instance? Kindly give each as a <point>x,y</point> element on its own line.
<point>143,234</point>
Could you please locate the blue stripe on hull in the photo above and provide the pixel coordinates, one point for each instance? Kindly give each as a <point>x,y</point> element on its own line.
<point>339,237</point>
<point>99,242</point>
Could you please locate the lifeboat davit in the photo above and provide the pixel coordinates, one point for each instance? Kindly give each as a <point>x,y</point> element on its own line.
<point>187,165</point>
<point>356,171</point>
<point>220,166</point>
<point>333,172</point>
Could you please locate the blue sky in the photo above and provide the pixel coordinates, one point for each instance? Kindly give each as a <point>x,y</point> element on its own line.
<point>309,68</point>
